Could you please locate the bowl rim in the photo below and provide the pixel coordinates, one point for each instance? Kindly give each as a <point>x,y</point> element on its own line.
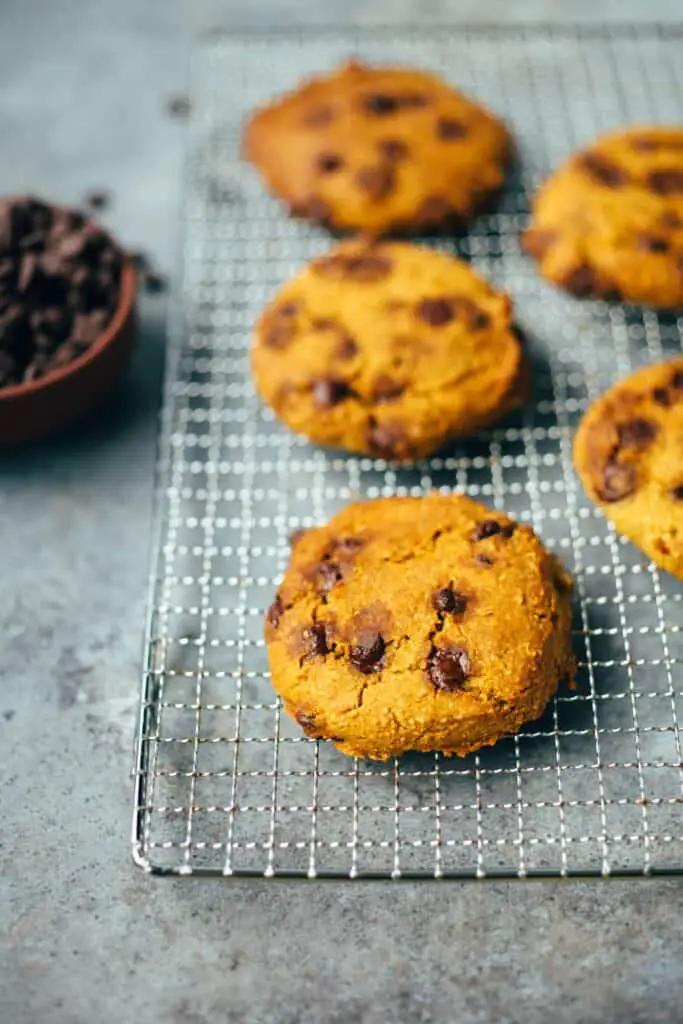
<point>103,340</point>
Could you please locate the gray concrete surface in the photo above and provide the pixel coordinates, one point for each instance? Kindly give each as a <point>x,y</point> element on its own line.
<point>84,936</point>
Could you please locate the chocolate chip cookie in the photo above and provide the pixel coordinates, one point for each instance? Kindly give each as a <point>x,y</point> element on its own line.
<point>629,455</point>
<point>419,624</point>
<point>388,349</point>
<point>379,150</point>
<point>609,222</point>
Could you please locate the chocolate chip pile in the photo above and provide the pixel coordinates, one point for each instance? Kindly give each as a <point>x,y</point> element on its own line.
<point>60,280</point>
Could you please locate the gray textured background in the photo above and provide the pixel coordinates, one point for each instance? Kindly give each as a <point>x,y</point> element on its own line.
<point>83,935</point>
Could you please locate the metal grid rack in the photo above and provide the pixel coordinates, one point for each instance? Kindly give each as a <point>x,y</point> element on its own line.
<point>225,783</point>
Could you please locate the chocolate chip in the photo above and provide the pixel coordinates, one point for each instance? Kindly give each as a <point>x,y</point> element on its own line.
<point>677,380</point>
<point>367,656</point>
<point>385,439</point>
<point>581,281</point>
<point>377,182</point>
<point>275,612</point>
<point>435,312</point>
<point>327,163</point>
<point>319,116</point>
<point>98,198</point>
<point>603,170</point>
<point>363,266</point>
<point>349,545</point>
<point>382,104</point>
<point>650,243</point>
<point>618,481</point>
<point>487,528</point>
<point>328,392</point>
<point>637,433</point>
<point>484,559</point>
<point>278,333</point>
<point>449,601</point>
<point>666,183</point>
<point>346,348</point>
<point>448,668</point>
<point>387,390</point>
<point>327,575</point>
<point>661,396</point>
<point>315,639</point>
<point>393,149</point>
<point>287,309</point>
<point>677,492</point>
<point>308,724</point>
<point>670,219</point>
<point>450,128</point>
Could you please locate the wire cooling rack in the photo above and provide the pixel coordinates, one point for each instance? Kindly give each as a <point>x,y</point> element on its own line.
<point>225,783</point>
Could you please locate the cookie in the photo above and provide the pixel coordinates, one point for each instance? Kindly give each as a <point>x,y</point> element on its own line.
<point>379,150</point>
<point>419,624</point>
<point>629,454</point>
<point>388,349</point>
<point>609,222</point>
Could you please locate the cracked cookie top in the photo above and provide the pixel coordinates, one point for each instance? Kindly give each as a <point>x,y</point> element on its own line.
<point>418,624</point>
<point>379,149</point>
<point>388,349</point>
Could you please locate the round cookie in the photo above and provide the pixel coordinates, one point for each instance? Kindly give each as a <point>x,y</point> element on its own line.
<point>629,454</point>
<point>379,150</point>
<point>609,221</point>
<point>388,349</point>
<point>419,624</point>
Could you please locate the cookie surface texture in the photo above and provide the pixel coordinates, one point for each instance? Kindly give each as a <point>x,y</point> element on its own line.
<point>379,150</point>
<point>389,350</point>
<point>609,222</point>
<point>418,624</point>
<point>629,454</point>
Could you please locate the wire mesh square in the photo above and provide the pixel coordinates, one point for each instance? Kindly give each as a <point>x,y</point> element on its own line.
<point>225,783</point>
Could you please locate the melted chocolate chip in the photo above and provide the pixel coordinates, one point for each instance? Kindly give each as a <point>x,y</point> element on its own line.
<point>450,128</point>
<point>484,559</point>
<point>581,281</point>
<point>393,149</point>
<point>327,392</point>
<point>382,104</point>
<point>637,433</point>
<point>327,575</point>
<point>287,309</point>
<point>435,312</point>
<point>387,390</point>
<point>349,545</point>
<point>367,266</point>
<point>677,380</point>
<point>275,612</point>
<point>650,243</point>
<point>661,396</point>
<point>278,333</point>
<point>315,639</point>
<point>618,481</point>
<point>367,656</point>
<point>677,492</point>
<point>666,183</point>
<point>307,722</point>
<point>327,163</point>
<point>490,527</point>
<point>603,170</point>
<point>449,601</point>
<point>448,668</point>
<point>346,348</point>
<point>436,211</point>
<point>376,182</point>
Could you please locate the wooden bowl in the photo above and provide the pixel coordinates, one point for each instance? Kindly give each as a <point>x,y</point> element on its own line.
<point>42,408</point>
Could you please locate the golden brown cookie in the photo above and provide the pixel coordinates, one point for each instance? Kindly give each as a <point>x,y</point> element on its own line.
<point>388,349</point>
<point>629,455</point>
<point>609,221</point>
<point>419,624</point>
<point>379,150</point>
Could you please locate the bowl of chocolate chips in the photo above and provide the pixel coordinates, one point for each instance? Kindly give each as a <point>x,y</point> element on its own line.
<point>67,310</point>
